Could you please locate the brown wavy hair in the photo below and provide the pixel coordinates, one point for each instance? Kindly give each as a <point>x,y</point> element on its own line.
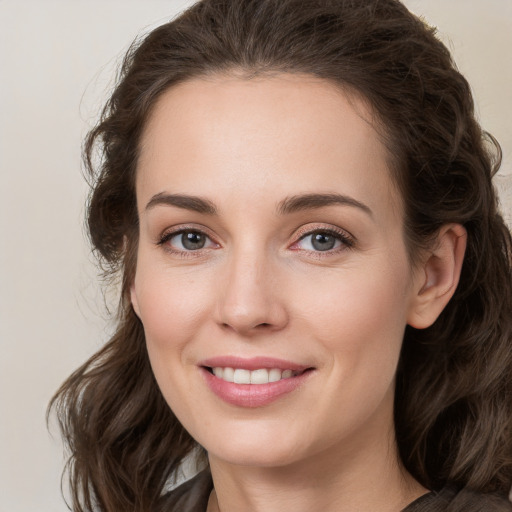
<point>453,405</point>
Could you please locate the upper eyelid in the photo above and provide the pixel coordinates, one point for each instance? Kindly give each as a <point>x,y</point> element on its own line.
<point>344,240</point>
<point>309,230</point>
<point>176,230</point>
<point>340,233</point>
<point>172,234</point>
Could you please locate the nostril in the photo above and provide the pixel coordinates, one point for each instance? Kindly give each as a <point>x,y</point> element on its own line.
<point>262,325</point>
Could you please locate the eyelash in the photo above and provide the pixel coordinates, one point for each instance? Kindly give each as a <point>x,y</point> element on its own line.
<point>168,235</point>
<point>346,241</point>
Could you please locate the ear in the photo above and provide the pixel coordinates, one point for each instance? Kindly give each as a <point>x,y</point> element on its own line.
<point>438,276</point>
<point>134,300</point>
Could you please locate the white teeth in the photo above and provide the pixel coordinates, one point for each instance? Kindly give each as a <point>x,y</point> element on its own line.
<point>228,374</point>
<point>242,376</point>
<point>274,375</point>
<point>260,376</point>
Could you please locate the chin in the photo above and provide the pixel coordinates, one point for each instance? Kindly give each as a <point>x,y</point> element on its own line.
<point>254,456</point>
<point>264,447</point>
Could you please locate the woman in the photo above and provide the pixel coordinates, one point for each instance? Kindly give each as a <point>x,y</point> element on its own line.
<point>316,284</point>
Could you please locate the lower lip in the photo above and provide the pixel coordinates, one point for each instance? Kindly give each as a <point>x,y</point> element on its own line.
<point>253,395</point>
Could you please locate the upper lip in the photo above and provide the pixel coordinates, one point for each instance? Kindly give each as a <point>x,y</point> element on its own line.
<point>253,363</point>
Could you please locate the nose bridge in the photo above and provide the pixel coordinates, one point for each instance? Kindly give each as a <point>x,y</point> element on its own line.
<point>249,300</point>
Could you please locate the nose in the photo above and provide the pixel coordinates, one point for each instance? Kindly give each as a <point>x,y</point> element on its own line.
<point>250,301</point>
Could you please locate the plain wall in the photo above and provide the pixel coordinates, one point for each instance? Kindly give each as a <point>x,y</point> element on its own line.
<point>57,64</point>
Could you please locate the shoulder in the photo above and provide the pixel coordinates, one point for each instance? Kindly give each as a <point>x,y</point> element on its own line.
<point>451,499</point>
<point>191,496</point>
<point>472,501</point>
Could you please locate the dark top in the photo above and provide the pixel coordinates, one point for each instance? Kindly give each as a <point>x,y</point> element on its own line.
<point>192,496</point>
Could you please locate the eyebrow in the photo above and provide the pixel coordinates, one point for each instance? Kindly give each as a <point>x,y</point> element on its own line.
<point>312,201</point>
<point>194,203</point>
<point>286,206</point>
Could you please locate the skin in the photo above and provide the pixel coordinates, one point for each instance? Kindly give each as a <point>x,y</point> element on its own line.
<point>259,287</point>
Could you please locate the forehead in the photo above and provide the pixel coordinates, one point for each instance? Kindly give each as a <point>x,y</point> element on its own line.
<point>286,134</point>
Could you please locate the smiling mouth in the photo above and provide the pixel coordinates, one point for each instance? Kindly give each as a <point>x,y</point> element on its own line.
<point>259,376</point>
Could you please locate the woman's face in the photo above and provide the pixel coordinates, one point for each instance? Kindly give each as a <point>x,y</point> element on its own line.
<point>271,244</point>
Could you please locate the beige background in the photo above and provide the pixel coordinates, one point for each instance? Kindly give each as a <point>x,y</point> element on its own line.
<point>57,62</point>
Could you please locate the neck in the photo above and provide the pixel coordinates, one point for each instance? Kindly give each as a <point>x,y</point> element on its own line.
<point>385,488</point>
<point>362,474</point>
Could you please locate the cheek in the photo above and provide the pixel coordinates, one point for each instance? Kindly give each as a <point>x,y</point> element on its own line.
<point>350,302</point>
<point>360,326</point>
<point>168,299</point>
<point>360,319</point>
<point>172,308</point>
<point>172,305</point>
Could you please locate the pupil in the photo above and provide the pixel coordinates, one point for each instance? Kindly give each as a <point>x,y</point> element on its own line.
<point>323,242</point>
<point>193,240</point>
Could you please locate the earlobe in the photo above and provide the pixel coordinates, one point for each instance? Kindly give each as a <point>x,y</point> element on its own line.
<point>438,276</point>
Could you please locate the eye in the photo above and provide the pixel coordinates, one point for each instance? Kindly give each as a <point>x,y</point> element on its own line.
<point>186,240</point>
<point>323,240</point>
<point>320,241</point>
